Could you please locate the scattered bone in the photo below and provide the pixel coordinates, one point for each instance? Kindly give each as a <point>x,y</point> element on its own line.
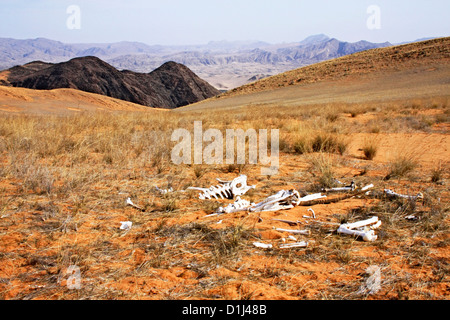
<point>364,229</point>
<point>373,283</point>
<point>302,244</point>
<point>311,197</point>
<point>325,200</point>
<point>226,189</point>
<point>262,245</point>
<point>129,202</point>
<point>164,191</point>
<point>303,232</point>
<point>283,200</point>
<point>126,225</point>
<point>350,188</point>
<point>393,194</point>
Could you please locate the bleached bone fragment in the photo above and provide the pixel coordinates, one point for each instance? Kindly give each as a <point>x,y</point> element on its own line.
<point>364,229</point>
<point>226,189</point>
<point>314,214</point>
<point>130,203</point>
<point>302,244</point>
<point>370,186</point>
<point>373,282</point>
<point>311,197</point>
<point>262,245</point>
<point>303,232</point>
<point>393,194</point>
<point>350,188</point>
<point>283,200</point>
<point>164,191</point>
<point>126,225</point>
<point>238,205</point>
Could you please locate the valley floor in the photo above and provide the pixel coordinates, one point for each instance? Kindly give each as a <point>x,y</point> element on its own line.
<point>65,182</point>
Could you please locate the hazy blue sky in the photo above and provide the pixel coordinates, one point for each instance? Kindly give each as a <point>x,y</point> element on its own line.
<point>200,21</point>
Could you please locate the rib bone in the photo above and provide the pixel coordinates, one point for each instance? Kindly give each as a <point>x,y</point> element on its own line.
<point>364,229</point>
<point>226,189</point>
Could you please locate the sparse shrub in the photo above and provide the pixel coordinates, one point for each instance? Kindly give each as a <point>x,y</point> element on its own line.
<point>370,150</point>
<point>170,204</point>
<point>401,167</point>
<point>301,145</point>
<point>436,174</point>
<point>323,165</point>
<point>325,142</point>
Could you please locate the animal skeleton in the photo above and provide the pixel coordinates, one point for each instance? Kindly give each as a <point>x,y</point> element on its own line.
<point>283,200</point>
<point>364,229</point>
<point>393,194</point>
<point>226,189</point>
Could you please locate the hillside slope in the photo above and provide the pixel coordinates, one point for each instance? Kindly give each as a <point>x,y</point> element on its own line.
<point>61,101</point>
<point>407,71</point>
<point>170,86</point>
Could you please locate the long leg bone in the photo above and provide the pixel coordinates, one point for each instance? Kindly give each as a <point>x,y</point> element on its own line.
<point>364,229</point>
<point>393,194</point>
<point>226,189</point>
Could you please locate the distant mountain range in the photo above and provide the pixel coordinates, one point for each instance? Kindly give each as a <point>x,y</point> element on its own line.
<point>223,64</point>
<point>172,85</point>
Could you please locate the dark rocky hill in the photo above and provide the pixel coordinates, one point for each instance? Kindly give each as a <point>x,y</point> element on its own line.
<point>170,86</point>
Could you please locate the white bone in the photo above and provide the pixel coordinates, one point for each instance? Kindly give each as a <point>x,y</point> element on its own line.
<point>370,186</point>
<point>351,187</point>
<point>373,283</point>
<point>364,229</point>
<point>303,232</point>
<point>314,214</point>
<point>226,189</point>
<point>302,244</point>
<point>164,191</point>
<point>283,200</point>
<point>126,225</point>
<point>393,194</point>
<point>237,206</point>
<point>262,245</point>
<point>129,202</point>
<point>310,197</point>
